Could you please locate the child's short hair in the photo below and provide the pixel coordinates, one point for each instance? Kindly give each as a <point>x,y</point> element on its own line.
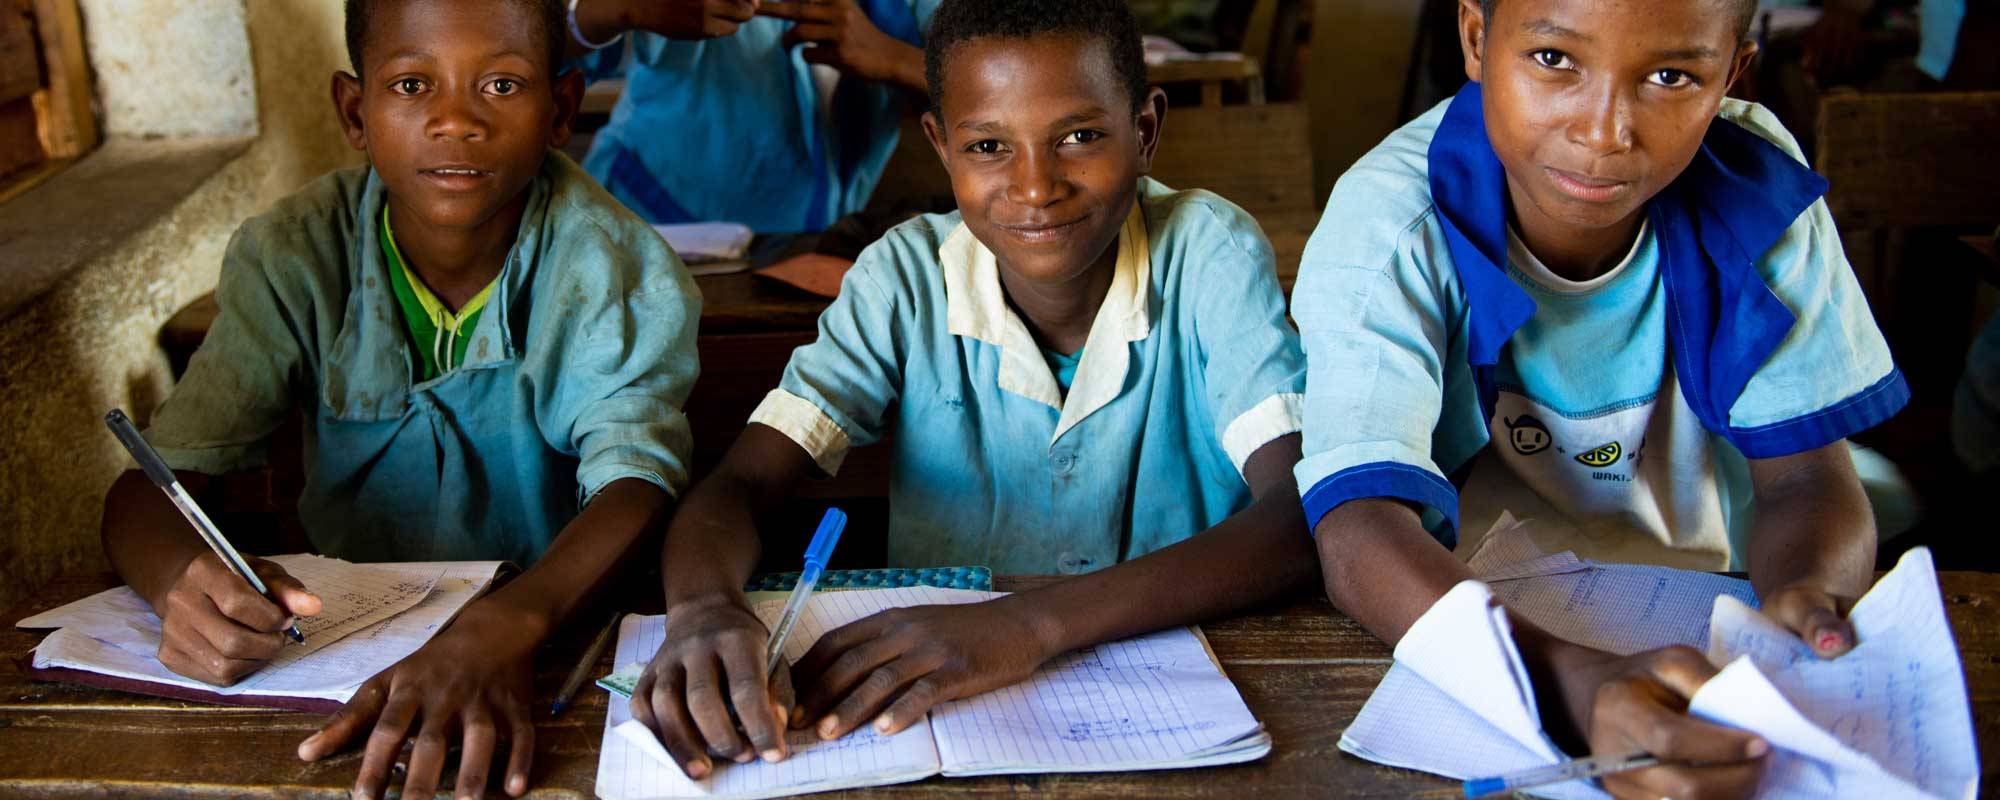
<point>1746,11</point>
<point>1108,21</point>
<point>548,16</point>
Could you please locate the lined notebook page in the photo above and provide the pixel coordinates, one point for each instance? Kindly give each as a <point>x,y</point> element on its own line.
<point>1149,702</point>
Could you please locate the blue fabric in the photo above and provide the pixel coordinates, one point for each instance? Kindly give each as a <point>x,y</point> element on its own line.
<point>730,128</point>
<point>980,474</point>
<point>1415,327</point>
<point>1064,366</point>
<point>574,377</point>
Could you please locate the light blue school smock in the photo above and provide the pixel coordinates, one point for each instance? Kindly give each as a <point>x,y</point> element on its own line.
<point>574,376</point>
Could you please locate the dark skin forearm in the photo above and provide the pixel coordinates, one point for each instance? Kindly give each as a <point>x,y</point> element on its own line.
<point>1813,525</point>
<point>620,524</point>
<point>712,545</point>
<point>1382,568</point>
<point>145,537</point>
<point>1254,555</point>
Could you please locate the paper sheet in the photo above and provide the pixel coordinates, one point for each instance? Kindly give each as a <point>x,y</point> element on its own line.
<point>373,616</point>
<point>1151,702</point>
<point>1882,721</point>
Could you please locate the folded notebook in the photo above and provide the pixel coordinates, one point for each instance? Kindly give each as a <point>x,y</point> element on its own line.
<point>1154,702</point>
<point>373,615</point>
<point>1889,719</point>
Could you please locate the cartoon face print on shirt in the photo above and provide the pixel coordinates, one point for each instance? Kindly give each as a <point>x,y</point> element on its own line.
<point>1528,435</point>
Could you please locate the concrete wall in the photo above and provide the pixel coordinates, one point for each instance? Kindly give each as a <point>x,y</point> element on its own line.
<point>92,342</point>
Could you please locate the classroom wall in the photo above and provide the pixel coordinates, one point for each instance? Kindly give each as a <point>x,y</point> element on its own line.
<point>92,342</point>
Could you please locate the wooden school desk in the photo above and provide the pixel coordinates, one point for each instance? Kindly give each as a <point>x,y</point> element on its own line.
<point>1304,670</point>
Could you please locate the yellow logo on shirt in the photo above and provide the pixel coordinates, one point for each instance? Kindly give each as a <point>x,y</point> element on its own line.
<point>1601,456</point>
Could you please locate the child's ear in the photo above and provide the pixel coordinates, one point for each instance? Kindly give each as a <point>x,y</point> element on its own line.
<point>568,91</point>
<point>1740,66</point>
<point>1151,122</point>
<point>934,131</point>
<point>1472,38</point>
<point>347,105</point>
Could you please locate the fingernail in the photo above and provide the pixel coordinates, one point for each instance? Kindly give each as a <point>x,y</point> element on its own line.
<point>517,785</point>
<point>1756,749</point>
<point>1829,641</point>
<point>828,726</point>
<point>744,757</point>
<point>698,768</point>
<point>772,755</point>
<point>882,723</point>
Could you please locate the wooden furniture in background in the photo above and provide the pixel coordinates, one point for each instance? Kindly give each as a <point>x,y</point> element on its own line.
<point>1213,74</point>
<point>46,121</point>
<point>1303,668</point>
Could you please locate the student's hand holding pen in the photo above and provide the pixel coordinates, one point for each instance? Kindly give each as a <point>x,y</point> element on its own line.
<point>888,669</point>
<point>216,629</point>
<point>695,693</point>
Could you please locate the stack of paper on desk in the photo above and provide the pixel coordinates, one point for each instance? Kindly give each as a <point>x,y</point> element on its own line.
<point>1889,719</point>
<point>1154,702</point>
<point>372,616</point>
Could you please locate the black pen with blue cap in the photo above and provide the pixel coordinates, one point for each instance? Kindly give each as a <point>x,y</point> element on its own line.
<point>156,470</point>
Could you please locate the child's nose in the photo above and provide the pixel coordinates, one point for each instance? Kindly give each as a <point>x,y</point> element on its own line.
<point>455,118</point>
<point>1034,180</point>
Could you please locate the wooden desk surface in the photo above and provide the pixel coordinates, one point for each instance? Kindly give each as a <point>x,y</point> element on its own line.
<point>1303,669</point>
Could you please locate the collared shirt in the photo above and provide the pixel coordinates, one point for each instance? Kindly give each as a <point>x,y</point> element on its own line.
<point>737,128</point>
<point>1189,367</point>
<point>438,334</point>
<point>574,376</point>
<point>1624,408</point>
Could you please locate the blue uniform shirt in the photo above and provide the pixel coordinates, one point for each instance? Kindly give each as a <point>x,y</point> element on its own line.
<point>735,128</point>
<point>573,378</point>
<point>1623,408</point>
<point>1189,368</point>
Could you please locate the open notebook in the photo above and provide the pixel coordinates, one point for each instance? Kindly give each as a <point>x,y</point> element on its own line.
<point>372,616</point>
<point>1152,702</point>
<point>1889,719</point>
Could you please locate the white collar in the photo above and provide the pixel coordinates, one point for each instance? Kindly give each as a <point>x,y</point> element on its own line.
<point>976,307</point>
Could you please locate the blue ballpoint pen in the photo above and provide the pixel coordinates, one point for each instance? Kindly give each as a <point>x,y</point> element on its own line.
<point>1584,768</point>
<point>156,469</point>
<point>817,553</point>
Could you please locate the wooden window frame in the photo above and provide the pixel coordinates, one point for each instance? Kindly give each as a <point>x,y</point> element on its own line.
<point>64,120</point>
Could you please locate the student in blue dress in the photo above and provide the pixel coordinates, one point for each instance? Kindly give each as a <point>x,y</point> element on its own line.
<point>490,355</point>
<point>1616,300</point>
<point>1084,372</point>
<point>778,115</point>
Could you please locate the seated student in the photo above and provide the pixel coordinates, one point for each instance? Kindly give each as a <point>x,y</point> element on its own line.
<point>490,355</point>
<point>1624,290</point>
<point>790,108</point>
<point>1083,372</point>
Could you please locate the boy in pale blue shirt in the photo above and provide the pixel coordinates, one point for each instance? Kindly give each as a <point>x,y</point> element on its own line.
<point>1157,474</point>
<point>1591,291</point>
<point>778,115</point>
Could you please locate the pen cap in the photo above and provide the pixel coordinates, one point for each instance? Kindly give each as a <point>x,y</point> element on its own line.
<point>826,537</point>
<point>121,427</point>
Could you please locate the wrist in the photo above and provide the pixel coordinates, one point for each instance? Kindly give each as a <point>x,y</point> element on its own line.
<point>1047,630</point>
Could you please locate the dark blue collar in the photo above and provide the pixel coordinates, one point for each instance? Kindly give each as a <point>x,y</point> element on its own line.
<point>1730,206</point>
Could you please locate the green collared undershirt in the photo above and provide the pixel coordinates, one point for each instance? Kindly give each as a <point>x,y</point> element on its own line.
<point>438,335</point>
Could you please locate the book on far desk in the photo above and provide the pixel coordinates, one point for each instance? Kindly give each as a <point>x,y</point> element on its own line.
<point>1153,702</point>
<point>372,616</point>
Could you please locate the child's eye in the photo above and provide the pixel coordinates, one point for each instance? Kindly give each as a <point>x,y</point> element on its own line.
<point>1670,78</point>
<point>984,147</point>
<point>1553,59</point>
<point>407,86</point>
<point>1082,137</point>
<point>503,86</point>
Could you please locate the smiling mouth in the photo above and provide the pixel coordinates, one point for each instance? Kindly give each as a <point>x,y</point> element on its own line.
<point>1041,234</point>
<point>1586,188</point>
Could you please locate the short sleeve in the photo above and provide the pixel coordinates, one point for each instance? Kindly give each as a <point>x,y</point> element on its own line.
<point>240,384</point>
<point>624,364</point>
<point>1832,376</point>
<point>837,391</point>
<point>1375,326</point>
<point>1252,366</point>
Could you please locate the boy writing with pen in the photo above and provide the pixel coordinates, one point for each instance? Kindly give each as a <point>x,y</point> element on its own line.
<point>1084,372</point>
<point>489,353</point>
<point>1597,293</point>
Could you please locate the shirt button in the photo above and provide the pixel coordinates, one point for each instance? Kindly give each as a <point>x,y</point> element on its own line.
<point>1072,564</point>
<point>1065,462</point>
